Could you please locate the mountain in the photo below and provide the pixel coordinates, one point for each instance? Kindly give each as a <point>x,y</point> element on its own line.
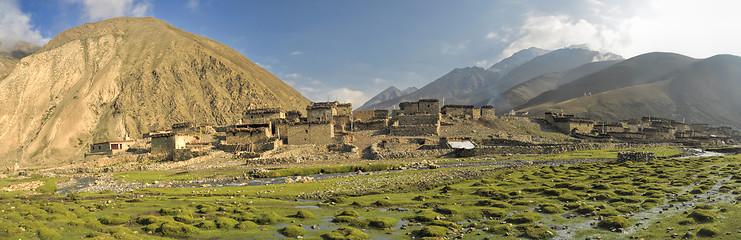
<point>523,92</point>
<point>656,84</point>
<point>459,82</point>
<point>555,61</point>
<point>10,57</point>
<point>457,85</point>
<point>388,94</point>
<point>124,77</point>
<point>645,68</point>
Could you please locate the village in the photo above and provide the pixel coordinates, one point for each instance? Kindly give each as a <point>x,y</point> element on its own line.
<point>417,129</point>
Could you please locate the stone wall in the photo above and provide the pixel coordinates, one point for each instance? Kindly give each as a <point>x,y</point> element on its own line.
<point>311,133</point>
<point>375,152</point>
<point>366,115</point>
<point>414,130</point>
<point>378,124</point>
<point>418,119</point>
<point>458,111</point>
<point>635,156</point>
<point>262,116</point>
<point>247,135</point>
<point>575,127</point>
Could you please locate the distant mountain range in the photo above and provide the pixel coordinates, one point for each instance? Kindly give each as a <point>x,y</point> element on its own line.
<point>599,85</point>
<point>478,86</point>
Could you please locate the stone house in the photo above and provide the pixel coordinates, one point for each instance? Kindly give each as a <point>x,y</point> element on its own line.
<point>487,112</point>
<point>318,132</point>
<point>608,127</point>
<point>293,116</point>
<point>365,115</point>
<point>454,111</point>
<point>110,147</point>
<point>575,125</point>
<point>415,125</point>
<point>373,124</point>
<point>263,115</point>
<point>166,143</point>
<point>239,139</point>
<point>320,113</point>
<point>423,106</point>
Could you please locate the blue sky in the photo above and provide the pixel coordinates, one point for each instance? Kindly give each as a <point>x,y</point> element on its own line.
<point>350,50</point>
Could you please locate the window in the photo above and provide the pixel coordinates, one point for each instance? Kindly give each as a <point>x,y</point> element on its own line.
<point>307,131</point>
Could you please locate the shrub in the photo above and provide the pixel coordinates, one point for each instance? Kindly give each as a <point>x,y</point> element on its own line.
<point>303,213</point>
<point>148,219</point>
<point>246,225</point>
<point>584,209</point>
<point>494,212</point>
<point>608,212</point>
<point>351,213</point>
<point>501,229</point>
<point>703,216</point>
<point>493,203</point>
<point>526,217</point>
<point>293,231</point>
<point>176,229</point>
<point>115,219</point>
<point>187,219</point>
<point>382,203</point>
<point>433,231</point>
<point>225,222</point>
<point>697,191</point>
<point>425,216</point>
<point>345,233</point>
<point>684,198</point>
<point>537,232</point>
<point>268,218</point>
<point>344,219</point>
<point>171,211</point>
<point>688,221</point>
<point>448,210</point>
<point>48,233</point>
<point>206,224</point>
<point>420,198</point>
<point>708,232</point>
<point>550,208</point>
<point>613,222</point>
<point>568,197</point>
<point>376,222</point>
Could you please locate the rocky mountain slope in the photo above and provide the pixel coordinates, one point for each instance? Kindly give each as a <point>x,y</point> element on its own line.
<point>656,84</point>
<point>123,77</point>
<point>529,89</point>
<point>385,95</point>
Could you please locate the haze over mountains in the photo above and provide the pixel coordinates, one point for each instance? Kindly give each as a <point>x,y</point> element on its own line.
<point>124,77</point>
<point>598,85</point>
<point>478,86</point>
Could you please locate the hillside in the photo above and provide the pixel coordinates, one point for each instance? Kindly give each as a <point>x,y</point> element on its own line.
<point>642,69</point>
<point>697,91</point>
<point>385,95</point>
<point>124,77</point>
<point>555,61</point>
<point>523,92</point>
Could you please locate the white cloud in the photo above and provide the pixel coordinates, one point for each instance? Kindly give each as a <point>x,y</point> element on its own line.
<point>378,80</point>
<point>192,5</point>
<point>265,66</point>
<point>103,9</point>
<point>15,25</point>
<point>344,94</point>
<point>696,29</point>
<point>294,53</point>
<point>491,35</point>
<point>484,63</point>
<point>293,75</point>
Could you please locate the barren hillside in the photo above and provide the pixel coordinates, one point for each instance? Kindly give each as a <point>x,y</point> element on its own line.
<point>123,77</point>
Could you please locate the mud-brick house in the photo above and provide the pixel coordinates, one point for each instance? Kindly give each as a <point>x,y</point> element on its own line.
<point>293,116</point>
<point>455,111</point>
<point>320,113</point>
<point>365,115</point>
<point>247,139</point>
<point>110,147</point>
<point>317,132</point>
<point>608,127</point>
<point>263,115</point>
<point>487,112</point>
<point>575,125</point>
